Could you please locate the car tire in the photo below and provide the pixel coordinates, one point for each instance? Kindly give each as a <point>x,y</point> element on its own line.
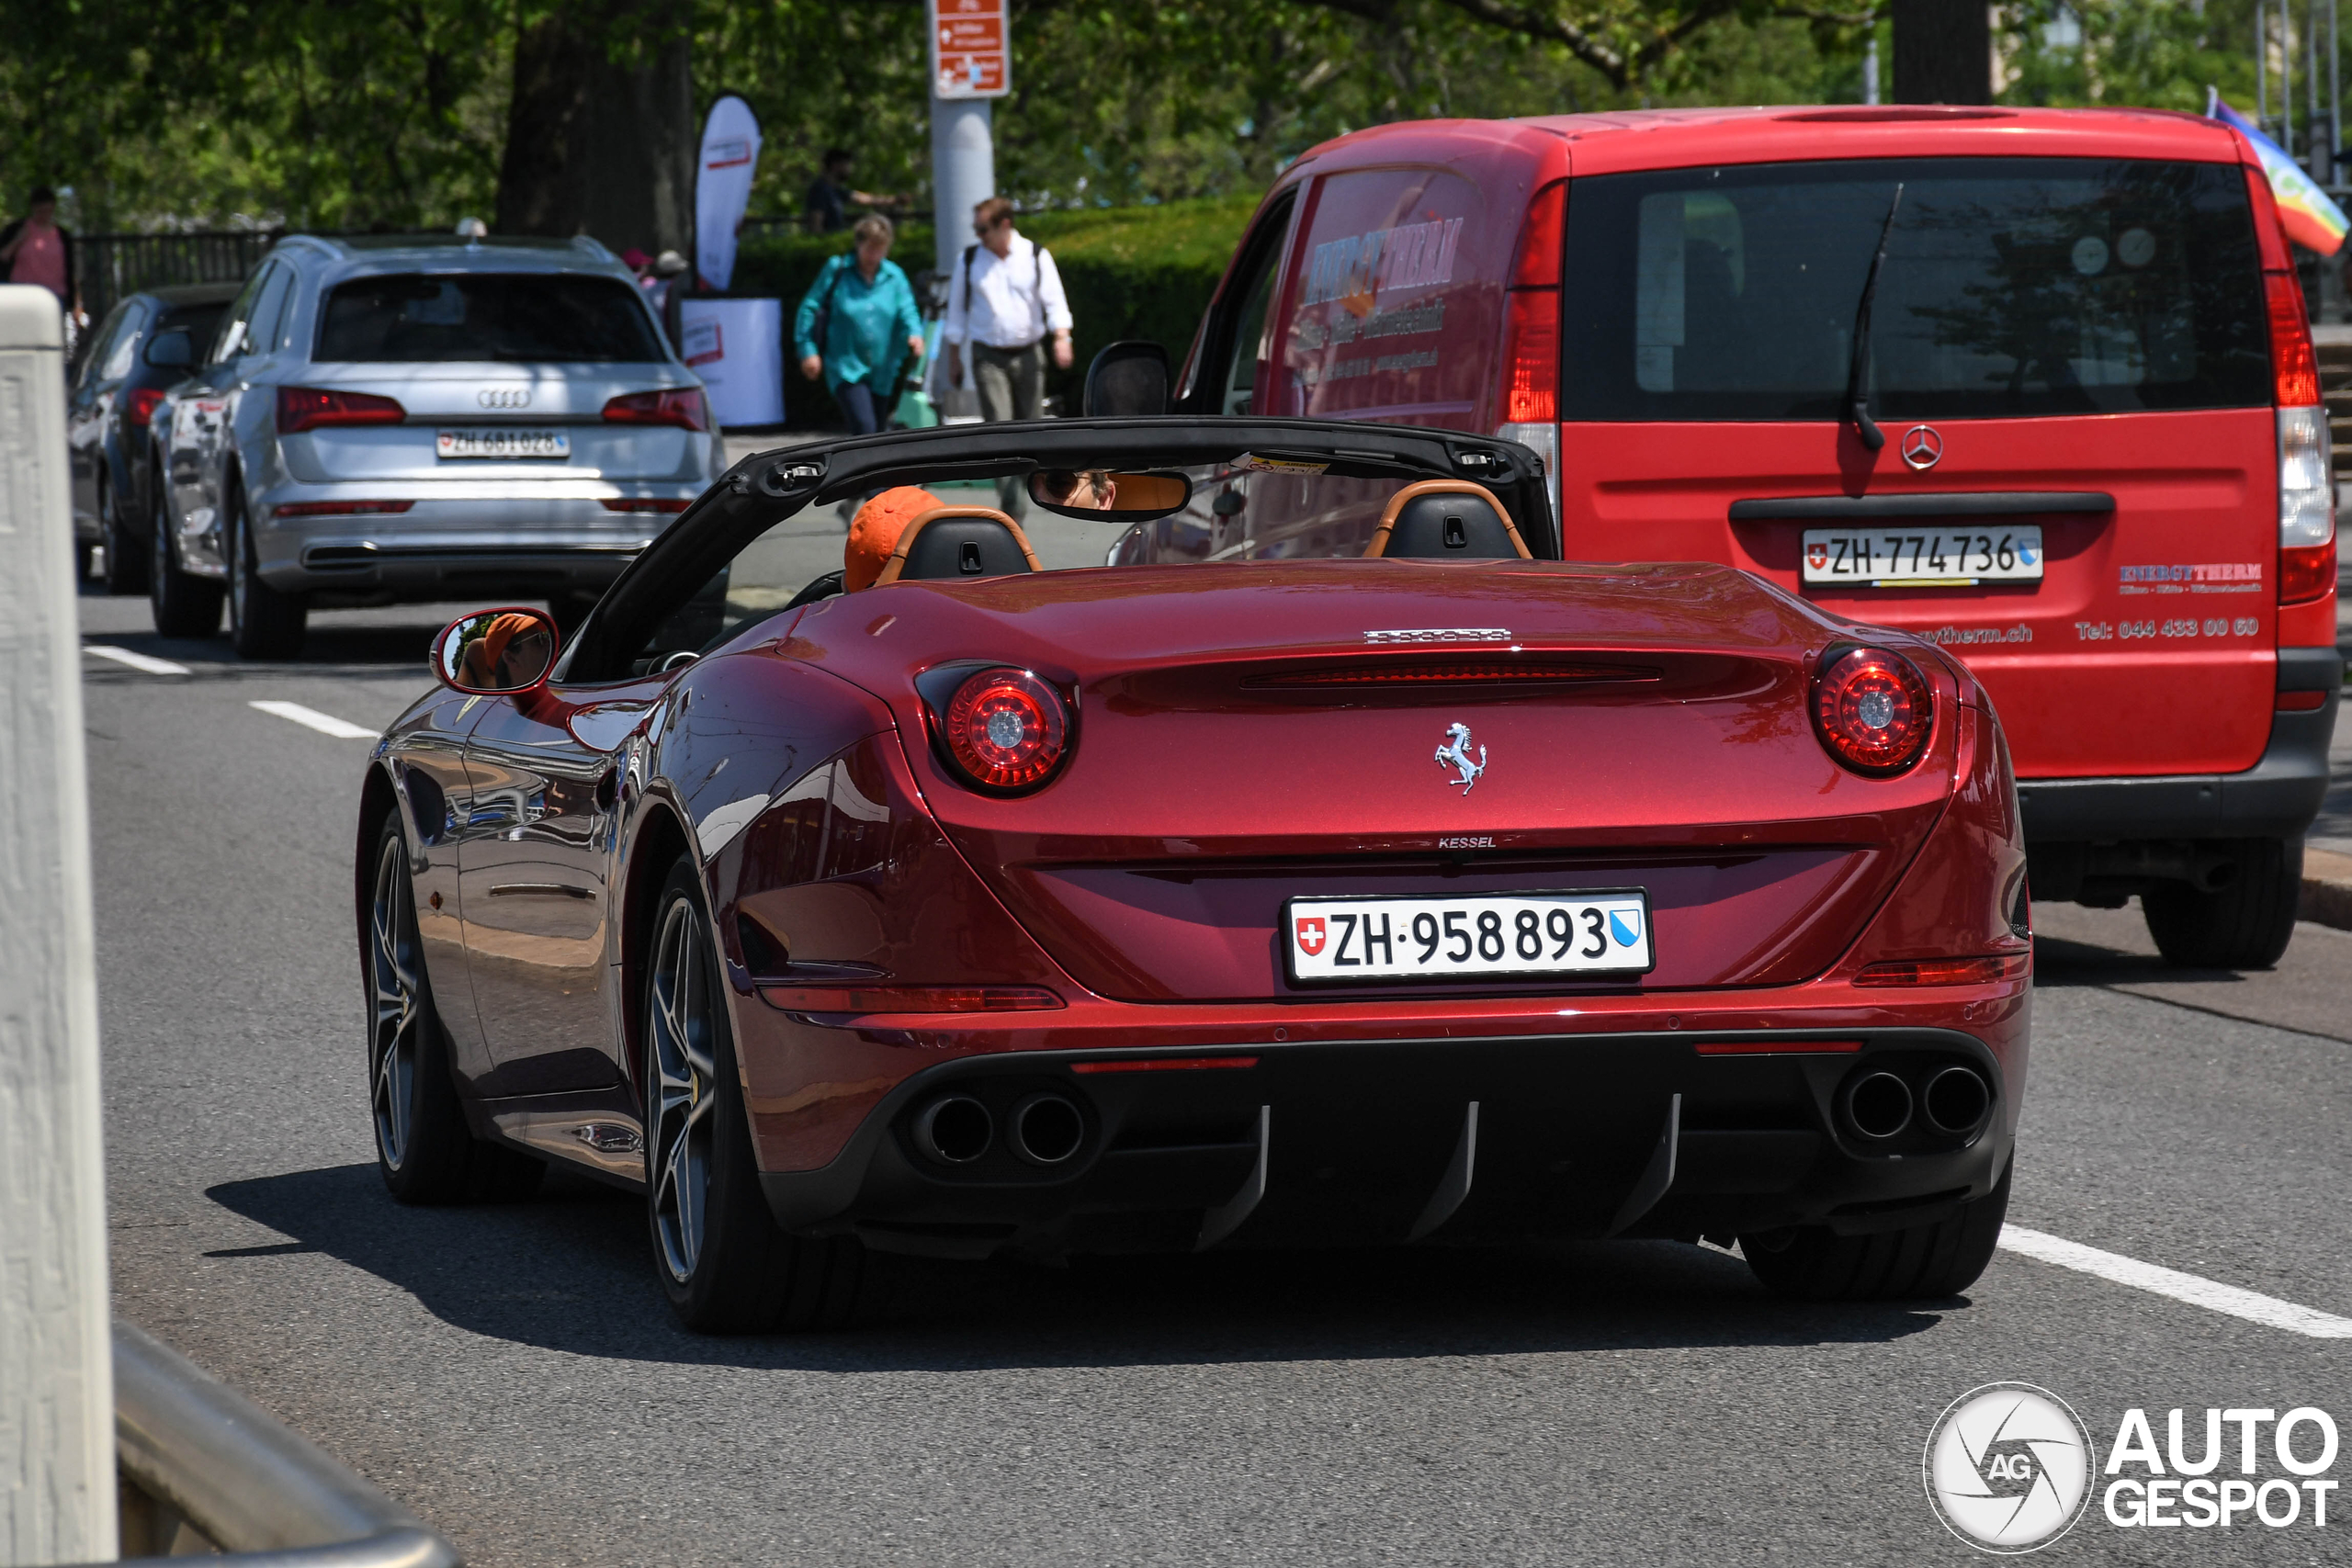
<point>2245,925</point>
<point>183,604</point>
<point>725,1264</point>
<point>425,1151</point>
<point>264,622</point>
<point>126,573</point>
<point>1928,1261</point>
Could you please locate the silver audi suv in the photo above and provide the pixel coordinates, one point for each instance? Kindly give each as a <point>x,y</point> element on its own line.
<point>400,419</point>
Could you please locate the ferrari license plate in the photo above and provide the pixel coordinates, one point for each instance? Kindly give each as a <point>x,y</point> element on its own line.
<point>1604,932</point>
<point>508,445</point>
<point>1925,558</point>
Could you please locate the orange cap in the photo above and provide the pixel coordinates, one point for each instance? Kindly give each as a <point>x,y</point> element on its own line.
<point>874,533</point>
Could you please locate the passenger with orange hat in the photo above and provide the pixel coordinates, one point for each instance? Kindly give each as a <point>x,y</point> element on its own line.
<point>874,533</point>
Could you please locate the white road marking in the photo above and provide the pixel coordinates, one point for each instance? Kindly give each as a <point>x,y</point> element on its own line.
<point>141,662</point>
<point>325,724</point>
<point>2211,1294</point>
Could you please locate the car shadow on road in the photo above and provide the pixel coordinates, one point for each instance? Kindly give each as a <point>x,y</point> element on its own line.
<point>571,1270</point>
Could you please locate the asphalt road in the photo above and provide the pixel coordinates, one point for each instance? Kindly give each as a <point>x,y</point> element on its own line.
<point>512,1374</point>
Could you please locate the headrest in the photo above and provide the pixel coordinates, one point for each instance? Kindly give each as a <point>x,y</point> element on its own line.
<point>1447,520</point>
<point>958,541</point>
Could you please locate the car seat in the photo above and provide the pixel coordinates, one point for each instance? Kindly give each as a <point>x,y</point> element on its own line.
<point>949,542</point>
<point>1446,520</point>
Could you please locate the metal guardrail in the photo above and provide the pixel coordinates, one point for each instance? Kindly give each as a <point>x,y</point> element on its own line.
<point>272,1499</point>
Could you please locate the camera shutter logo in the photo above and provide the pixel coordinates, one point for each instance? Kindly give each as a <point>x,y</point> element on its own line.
<point>2009,1467</point>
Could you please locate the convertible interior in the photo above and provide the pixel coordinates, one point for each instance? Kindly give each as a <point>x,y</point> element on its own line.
<point>1166,490</point>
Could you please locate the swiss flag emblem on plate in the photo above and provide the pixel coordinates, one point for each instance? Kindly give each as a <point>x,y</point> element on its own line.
<point>1311,936</point>
<point>1816,556</point>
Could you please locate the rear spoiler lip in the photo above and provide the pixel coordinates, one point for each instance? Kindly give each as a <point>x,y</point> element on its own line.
<point>1959,503</point>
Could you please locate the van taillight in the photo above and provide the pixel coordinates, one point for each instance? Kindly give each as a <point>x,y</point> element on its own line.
<point>1531,370</point>
<point>1531,358</point>
<point>2291,360</point>
<point>2306,467</point>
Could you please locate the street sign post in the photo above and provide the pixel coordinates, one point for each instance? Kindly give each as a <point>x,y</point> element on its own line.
<point>971,65</point>
<point>971,55</point>
<point>57,1500</point>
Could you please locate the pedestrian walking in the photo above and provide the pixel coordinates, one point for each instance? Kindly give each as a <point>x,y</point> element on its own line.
<point>830,193</point>
<point>858,326</point>
<point>36,249</point>
<point>1006,299</point>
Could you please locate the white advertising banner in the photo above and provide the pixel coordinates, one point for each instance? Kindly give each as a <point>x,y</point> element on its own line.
<point>971,51</point>
<point>730,154</point>
<point>736,347</point>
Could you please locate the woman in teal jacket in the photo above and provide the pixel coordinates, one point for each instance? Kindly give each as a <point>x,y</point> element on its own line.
<point>873,327</point>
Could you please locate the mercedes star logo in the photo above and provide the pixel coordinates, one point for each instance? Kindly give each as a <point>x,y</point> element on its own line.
<point>1922,446</point>
<point>503,397</point>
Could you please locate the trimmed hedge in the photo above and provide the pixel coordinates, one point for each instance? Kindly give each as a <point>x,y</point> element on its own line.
<point>1132,272</point>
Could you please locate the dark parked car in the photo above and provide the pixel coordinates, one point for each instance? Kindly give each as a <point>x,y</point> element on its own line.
<point>146,345</point>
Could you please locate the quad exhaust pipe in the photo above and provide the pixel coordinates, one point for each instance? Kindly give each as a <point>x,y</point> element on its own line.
<point>1953,1103</point>
<point>1956,1100</point>
<point>956,1129</point>
<point>1047,1129</point>
<point>1879,1105</point>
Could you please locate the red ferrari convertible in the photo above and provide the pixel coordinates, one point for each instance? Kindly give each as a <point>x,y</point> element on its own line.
<point>1429,888</point>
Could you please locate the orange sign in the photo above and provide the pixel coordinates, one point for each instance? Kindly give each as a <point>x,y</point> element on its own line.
<point>971,55</point>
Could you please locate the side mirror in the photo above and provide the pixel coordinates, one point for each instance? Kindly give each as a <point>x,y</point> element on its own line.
<point>1128,377</point>
<point>172,350</point>
<point>495,653</point>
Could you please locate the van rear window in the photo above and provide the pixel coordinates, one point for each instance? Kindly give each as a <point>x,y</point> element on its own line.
<point>2011,287</point>
<point>410,318</point>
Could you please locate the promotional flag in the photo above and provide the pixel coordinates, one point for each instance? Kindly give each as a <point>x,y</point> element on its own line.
<point>730,151</point>
<point>2310,219</point>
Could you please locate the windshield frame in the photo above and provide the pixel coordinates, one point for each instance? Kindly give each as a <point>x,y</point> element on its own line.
<point>762,491</point>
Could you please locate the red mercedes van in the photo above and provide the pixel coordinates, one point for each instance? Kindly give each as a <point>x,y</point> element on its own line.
<point>2037,384</point>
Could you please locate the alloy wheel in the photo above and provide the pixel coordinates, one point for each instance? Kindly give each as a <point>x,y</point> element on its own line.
<point>396,991</point>
<point>682,1075</point>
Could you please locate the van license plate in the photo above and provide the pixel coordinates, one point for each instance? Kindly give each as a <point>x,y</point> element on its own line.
<point>509,444</point>
<point>1504,934</point>
<point>1957,557</point>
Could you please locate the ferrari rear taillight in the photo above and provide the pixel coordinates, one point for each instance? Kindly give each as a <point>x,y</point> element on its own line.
<point>909,998</point>
<point>682,407</point>
<point>138,406</point>
<point>1948,971</point>
<point>1005,730</point>
<point>1872,710</point>
<point>310,408</point>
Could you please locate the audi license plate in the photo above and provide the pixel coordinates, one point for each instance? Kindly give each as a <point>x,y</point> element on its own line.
<point>1605,932</point>
<point>508,445</point>
<point>1933,557</point>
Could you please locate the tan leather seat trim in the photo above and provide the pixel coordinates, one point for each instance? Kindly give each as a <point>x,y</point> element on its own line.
<point>1379,545</point>
<point>921,520</point>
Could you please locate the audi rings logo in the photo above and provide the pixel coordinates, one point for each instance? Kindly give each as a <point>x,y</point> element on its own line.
<point>2009,1467</point>
<point>503,397</point>
<point>1922,448</point>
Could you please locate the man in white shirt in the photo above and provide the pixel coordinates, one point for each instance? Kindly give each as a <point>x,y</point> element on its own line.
<point>1005,299</point>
